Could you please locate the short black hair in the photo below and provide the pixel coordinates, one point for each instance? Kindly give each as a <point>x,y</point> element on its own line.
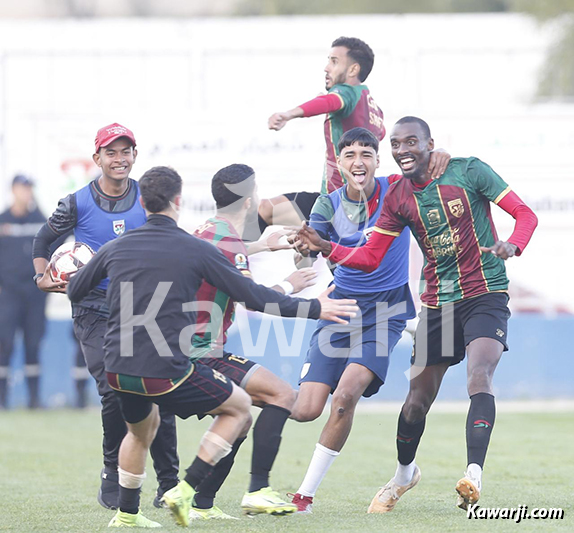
<point>231,184</point>
<point>424,126</point>
<point>358,135</point>
<point>158,187</point>
<point>360,52</point>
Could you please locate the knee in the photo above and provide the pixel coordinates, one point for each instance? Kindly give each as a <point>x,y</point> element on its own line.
<point>415,409</point>
<point>479,380</point>
<point>284,396</point>
<point>266,211</point>
<point>343,403</point>
<point>306,413</point>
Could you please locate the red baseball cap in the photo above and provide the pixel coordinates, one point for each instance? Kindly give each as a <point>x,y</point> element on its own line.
<point>108,134</point>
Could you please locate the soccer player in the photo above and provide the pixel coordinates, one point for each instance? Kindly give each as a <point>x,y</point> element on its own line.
<point>353,362</point>
<point>99,212</point>
<point>154,273</point>
<point>234,190</point>
<point>347,104</point>
<point>22,307</point>
<point>465,297</point>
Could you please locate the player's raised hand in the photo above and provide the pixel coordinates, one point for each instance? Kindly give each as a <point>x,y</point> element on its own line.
<point>302,278</point>
<point>501,249</point>
<point>276,242</point>
<point>47,284</point>
<point>333,310</point>
<point>311,240</point>
<point>438,162</point>
<point>278,120</point>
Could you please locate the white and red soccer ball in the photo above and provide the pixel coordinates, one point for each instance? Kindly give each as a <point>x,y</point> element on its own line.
<point>68,259</point>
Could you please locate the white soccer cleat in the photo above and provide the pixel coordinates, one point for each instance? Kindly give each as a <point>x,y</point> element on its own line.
<point>468,489</point>
<point>386,499</point>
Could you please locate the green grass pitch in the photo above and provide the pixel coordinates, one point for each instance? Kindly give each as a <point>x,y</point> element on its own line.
<point>50,461</point>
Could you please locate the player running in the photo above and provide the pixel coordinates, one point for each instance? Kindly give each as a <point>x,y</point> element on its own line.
<point>465,292</point>
<point>234,190</point>
<point>150,365</point>
<point>353,362</point>
<point>99,212</point>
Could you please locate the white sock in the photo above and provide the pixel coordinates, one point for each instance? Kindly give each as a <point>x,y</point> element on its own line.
<point>320,463</point>
<point>404,473</point>
<point>475,472</point>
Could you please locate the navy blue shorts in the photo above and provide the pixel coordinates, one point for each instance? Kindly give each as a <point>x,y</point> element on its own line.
<point>482,316</point>
<point>367,340</point>
<point>204,390</point>
<point>238,369</point>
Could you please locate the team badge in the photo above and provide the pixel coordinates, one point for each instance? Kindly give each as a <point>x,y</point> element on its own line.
<point>119,227</point>
<point>241,261</point>
<point>434,217</point>
<point>456,207</point>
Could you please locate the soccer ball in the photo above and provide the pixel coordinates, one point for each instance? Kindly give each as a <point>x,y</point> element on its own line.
<point>68,259</point>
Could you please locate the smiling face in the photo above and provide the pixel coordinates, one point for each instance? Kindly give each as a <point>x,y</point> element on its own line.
<point>411,148</point>
<point>359,163</point>
<point>116,159</point>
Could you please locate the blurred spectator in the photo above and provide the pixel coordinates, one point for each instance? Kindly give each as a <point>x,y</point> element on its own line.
<point>22,305</point>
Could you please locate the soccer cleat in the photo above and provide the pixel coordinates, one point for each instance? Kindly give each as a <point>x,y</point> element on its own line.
<point>266,501</point>
<point>122,519</point>
<point>304,503</point>
<point>468,489</point>
<point>386,499</point>
<point>109,493</point>
<point>213,513</point>
<point>178,500</point>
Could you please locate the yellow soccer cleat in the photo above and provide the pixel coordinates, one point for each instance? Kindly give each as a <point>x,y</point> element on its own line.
<point>468,490</point>
<point>122,519</point>
<point>266,501</point>
<point>386,499</point>
<point>178,500</point>
<point>213,513</point>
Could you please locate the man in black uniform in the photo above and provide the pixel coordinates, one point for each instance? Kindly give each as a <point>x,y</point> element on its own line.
<point>99,212</point>
<point>22,307</point>
<point>154,274</point>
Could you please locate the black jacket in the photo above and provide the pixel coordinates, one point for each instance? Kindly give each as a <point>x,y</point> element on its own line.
<point>165,266</point>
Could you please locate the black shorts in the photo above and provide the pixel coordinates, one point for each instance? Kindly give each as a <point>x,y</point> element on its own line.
<point>238,369</point>
<point>483,316</point>
<point>204,390</point>
<point>304,202</point>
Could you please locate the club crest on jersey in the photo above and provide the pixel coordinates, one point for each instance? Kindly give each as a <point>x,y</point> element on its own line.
<point>241,261</point>
<point>434,217</point>
<point>119,227</point>
<point>456,207</point>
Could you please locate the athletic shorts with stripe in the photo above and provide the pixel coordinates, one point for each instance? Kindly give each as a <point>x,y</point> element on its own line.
<point>238,369</point>
<point>201,391</point>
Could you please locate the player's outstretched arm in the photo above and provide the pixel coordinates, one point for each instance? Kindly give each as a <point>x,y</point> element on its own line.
<point>278,120</point>
<point>333,310</point>
<point>299,280</point>
<point>272,243</point>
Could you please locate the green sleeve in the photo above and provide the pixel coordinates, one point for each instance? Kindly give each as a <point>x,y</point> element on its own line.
<point>484,180</point>
<point>350,96</point>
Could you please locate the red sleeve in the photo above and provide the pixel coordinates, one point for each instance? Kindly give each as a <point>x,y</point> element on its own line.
<point>526,220</point>
<point>393,178</point>
<point>326,103</point>
<point>367,257</point>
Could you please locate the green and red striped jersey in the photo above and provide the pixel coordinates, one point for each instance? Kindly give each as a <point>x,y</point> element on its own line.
<point>212,334</point>
<point>451,220</point>
<point>358,109</point>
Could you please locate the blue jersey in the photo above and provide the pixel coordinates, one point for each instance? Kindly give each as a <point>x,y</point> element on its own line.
<point>338,218</point>
<point>96,227</point>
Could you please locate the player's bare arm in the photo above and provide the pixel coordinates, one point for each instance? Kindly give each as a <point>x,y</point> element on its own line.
<point>273,242</point>
<point>45,283</point>
<point>278,120</point>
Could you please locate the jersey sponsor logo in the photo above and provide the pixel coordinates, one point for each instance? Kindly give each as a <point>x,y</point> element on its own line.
<point>119,227</point>
<point>447,243</point>
<point>434,217</point>
<point>240,261</point>
<point>456,207</point>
